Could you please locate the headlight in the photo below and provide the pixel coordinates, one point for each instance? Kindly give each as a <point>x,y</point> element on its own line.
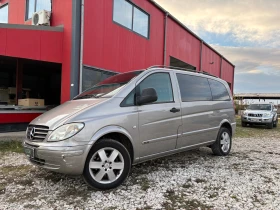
<point>66,131</point>
<point>267,115</point>
<point>245,113</point>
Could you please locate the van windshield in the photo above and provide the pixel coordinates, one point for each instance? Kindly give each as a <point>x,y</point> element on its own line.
<point>109,87</point>
<point>266,107</point>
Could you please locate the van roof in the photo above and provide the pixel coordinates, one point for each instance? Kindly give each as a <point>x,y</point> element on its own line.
<point>193,72</point>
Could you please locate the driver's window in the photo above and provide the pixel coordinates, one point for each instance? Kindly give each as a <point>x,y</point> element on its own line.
<point>161,83</point>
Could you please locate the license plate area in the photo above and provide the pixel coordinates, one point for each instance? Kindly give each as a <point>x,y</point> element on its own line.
<point>29,152</point>
<point>255,120</point>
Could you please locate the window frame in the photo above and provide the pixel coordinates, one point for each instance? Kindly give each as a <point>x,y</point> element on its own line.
<point>180,94</point>
<point>229,98</point>
<point>137,91</point>
<point>27,8</point>
<point>133,6</point>
<point>5,5</point>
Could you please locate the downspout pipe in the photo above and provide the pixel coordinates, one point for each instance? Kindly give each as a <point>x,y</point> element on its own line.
<point>82,45</point>
<point>165,37</point>
<point>201,48</point>
<point>221,67</point>
<point>233,79</point>
<point>75,52</point>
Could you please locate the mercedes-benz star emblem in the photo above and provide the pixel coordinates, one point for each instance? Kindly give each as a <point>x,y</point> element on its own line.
<point>32,133</point>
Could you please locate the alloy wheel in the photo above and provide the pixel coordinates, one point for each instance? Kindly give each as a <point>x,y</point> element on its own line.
<point>225,142</point>
<point>106,165</point>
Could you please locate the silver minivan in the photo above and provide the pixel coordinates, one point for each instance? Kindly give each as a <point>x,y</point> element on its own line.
<point>131,118</point>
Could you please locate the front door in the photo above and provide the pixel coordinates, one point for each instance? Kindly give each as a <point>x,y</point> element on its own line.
<point>159,121</point>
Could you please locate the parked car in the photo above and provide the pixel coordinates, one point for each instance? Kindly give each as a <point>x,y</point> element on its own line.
<point>131,118</point>
<point>260,114</point>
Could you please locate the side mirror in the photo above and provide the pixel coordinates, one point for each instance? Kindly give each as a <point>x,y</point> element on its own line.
<point>148,95</point>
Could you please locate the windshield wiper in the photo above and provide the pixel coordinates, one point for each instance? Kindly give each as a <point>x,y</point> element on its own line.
<point>86,96</point>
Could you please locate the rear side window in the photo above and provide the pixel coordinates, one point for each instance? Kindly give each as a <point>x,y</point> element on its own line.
<point>194,88</point>
<point>219,91</point>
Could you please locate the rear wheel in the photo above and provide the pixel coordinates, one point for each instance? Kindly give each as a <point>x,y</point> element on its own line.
<point>107,165</point>
<point>222,146</point>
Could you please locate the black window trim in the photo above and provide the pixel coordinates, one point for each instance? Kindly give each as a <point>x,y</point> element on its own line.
<point>193,76</point>
<point>94,68</point>
<point>133,5</point>
<point>27,8</point>
<point>229,99</point>
<point>137,92</point>
<point>6,5</point>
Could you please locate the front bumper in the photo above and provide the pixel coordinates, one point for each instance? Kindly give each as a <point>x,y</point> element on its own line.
<point>61,159</point>
<point>257,120</point>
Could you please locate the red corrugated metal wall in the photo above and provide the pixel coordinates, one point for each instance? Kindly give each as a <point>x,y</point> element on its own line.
<point>211,61</point>
<point>227,72</point>
<point>181,45</point>
<point>61,16</point>
<point>32,44</point>
<point>110,46</point>
<point>113,47</point>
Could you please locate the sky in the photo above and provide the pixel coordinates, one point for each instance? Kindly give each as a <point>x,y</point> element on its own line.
<point>246,32</point>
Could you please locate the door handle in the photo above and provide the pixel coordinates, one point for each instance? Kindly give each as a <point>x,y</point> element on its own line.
<point>174,110</point>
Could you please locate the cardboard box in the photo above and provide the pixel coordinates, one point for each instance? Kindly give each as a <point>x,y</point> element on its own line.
<point>31,102</point>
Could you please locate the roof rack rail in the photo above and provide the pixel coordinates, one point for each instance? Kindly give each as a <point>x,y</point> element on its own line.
<point>206,73</point>
<point>171,67</point>
<point>183,69</point>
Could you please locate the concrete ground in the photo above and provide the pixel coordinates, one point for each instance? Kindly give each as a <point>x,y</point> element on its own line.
<point>15,136</point>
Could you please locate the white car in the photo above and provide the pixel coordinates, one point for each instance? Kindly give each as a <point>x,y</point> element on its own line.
<point>260,114</point>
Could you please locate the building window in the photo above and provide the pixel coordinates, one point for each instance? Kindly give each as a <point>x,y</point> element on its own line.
<point>92,76</point>
<point>33,6</point>
<point>131,17</point>
<point>4,13</point>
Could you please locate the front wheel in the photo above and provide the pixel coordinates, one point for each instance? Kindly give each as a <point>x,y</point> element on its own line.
<point>107,166</point>
<point>270,125</point>
<point>275,123</point>
<point>222,146</point>
<point>243,124</point>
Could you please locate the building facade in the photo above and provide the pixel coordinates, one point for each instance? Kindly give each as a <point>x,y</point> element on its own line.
<point>88,41</point>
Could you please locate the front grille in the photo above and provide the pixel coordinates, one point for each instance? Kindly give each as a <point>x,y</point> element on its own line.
<point>255,115</point>
<point>37,132</point>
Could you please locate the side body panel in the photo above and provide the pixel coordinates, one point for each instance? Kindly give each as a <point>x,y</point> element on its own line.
<point>200,123</point>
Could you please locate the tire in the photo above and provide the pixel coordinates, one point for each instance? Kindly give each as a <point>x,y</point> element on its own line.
<point>107,165</point>
<point>270,125</point>
<point>275,123</point>
<point>243,124</point>
<point>222,146</point>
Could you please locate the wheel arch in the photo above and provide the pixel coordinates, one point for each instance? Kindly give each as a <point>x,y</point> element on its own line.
<point>117,133</point>
<point>226,124</point>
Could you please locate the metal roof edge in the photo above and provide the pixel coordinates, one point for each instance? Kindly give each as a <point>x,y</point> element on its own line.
<point>189,30</point>
<point>31,27</point>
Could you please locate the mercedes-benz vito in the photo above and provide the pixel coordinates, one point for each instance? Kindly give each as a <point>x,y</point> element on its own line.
<point>131,118</point>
